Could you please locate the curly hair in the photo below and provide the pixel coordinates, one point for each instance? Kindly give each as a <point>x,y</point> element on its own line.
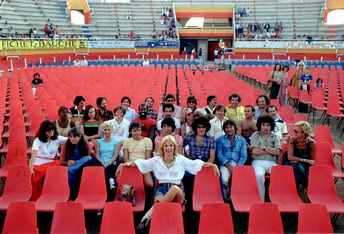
<point>200,121</point>
<point>265,119</point>
<point>45,127</point>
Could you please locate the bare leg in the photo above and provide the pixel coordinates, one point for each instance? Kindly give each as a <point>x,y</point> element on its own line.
<point>148,180</point>
<point>174,194</point>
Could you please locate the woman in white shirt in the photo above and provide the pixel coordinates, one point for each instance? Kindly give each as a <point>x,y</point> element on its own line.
<point>44,154</point>
<point>168,168</point>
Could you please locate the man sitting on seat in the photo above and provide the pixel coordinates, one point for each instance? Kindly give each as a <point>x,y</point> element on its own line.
<point>231,151</point>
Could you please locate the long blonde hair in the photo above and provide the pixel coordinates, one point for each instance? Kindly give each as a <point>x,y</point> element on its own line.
<point>162,143</point>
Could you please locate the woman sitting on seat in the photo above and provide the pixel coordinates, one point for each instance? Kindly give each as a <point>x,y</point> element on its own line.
<point>76,156</point>
<point>89,125</point>
<point>63,123</point>
<point>168,168</point>
<point>45,154</point>
<point>301,153</point>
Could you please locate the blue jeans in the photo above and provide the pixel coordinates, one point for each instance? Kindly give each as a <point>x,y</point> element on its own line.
<point>74,173</point>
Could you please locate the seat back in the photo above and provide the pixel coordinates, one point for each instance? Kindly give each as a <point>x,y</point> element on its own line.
<point>56,182</point>
<point>20,218</point>
<point>285,174</point>
<point>68,218</point>
<point>323,155</point>
<point>132,176</point>
<point>118,218</point>
<point>18,181</point>
<point>207,189</point>
<point>323,133</point>
<point>320,181</point>
<point>167,218</point>
<point>314,218</point>
<point>215,218</point>
<point>265,218</point>
<point>244,175</point>
<point>92,182</point>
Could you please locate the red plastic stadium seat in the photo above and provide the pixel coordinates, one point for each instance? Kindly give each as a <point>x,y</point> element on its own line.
<point>265,218</point>
<point>244,189</point>
<point>206,189</point>
<point>324,156</point>
<point>118,218</point>
<point>132,176</point>
<point>17,187</point>
<point>314,218</point>
<point>282,189</point>
<point>68,218</point>
<point>20,218</point>
<point>321,189</point>
<point>92,193</point>
<point>55,189</point>
<point>216,218</point>
<point>167,218</point>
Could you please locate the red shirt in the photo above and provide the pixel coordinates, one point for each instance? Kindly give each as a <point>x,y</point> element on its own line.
<point>147,125</point>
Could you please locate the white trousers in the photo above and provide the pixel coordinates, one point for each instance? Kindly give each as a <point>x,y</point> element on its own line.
<point>261,167</point>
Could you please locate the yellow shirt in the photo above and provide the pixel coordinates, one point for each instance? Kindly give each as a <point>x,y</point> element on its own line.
<point>137,149</point>
<point>235,114</point>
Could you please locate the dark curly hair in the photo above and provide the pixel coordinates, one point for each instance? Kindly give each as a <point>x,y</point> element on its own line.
<point>200,121</point>
<point>168,122</point>
<point>46,126</point>
<point>265,119</point>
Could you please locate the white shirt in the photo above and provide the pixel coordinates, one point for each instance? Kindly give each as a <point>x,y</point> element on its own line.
<point>216,127</point>
<point>47,149</point>
<point>280,128</point>
<point>176,121</point>
<point>119,129</point>
<point>211,110</point>
<point>173,174</point>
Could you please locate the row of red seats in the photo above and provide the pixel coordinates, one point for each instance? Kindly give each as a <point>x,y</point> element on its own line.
<point>244,190</point>
<point>167,218</point>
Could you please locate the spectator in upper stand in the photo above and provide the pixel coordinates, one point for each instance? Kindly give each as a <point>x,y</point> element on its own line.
<point>168,128</point>
<point>231,151</point>
<point>45,154</point>
<point>209,110</point>
<point>301,153</point>
<point>78,109</point>
<point>262,102</point>
<point>301,78</point>
<point>319,83</point>
<point>171,99</point>
<point>235,111</point>
<point>138,147</point>
<point>186,127</point>
<point>148,124</point>
<point>103,114</point>
<point>275,80</point>
<point>216,123</point>
<point>36,82</point>
<point>151,113</point>
<point>282,95</point>
<point>119,125</point>
<point>130,113</point>
<point>281,129</point>
<point>249,125</point>
<point>63,123</point>
<point>199,145</point>
<point>265,150</point>
<point>168,110</point>
<point>89,126</point>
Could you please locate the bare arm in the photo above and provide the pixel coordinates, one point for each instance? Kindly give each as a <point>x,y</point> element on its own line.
<point>212,165</point>
<point>33,157</point>
<point>126,155</point>
<point>211,156</point>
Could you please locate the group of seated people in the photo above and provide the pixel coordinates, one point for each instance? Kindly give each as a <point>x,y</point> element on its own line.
<point>170,141</point>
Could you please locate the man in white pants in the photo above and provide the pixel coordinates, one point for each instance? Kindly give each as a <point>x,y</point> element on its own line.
<point>231,151</point>
<point>265,150</point>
